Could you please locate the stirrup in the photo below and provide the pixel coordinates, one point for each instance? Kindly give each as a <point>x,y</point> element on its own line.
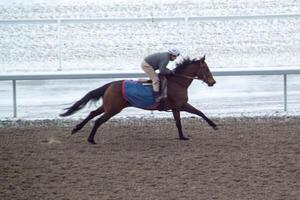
<point>157,97</point>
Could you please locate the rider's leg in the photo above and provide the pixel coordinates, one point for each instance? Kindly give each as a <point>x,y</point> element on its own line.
<point>148,69</point>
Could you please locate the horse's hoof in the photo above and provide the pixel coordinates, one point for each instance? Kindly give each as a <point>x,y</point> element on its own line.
<point>184,138</point>
<point>215,128</point>
<point>91,141</point>
<point>74,131</point>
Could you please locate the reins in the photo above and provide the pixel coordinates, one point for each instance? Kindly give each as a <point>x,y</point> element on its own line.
<point>189,77</point>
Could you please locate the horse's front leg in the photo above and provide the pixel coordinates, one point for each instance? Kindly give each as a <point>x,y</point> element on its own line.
<point>190,109</point>
<point>176,114</point>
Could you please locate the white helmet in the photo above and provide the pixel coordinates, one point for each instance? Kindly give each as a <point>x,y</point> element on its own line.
<point>174,51</point>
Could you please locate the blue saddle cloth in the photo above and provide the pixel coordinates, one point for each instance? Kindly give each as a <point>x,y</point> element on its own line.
<point>138,95</point>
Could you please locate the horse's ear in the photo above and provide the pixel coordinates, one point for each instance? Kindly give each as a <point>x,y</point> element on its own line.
<point>202,59</point>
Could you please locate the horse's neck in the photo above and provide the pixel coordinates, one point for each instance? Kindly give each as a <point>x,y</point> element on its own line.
<point>184,80</point>
<point>180,81</point>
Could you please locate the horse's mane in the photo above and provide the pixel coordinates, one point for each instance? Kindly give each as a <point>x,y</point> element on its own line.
<point>184,63</point>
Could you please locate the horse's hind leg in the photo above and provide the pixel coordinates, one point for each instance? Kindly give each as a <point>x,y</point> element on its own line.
<point>113,103</point>
<point>92,114</point>
<point>98,123</point>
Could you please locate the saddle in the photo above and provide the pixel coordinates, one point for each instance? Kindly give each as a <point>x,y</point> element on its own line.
<point>140,94</point>
<point>163,85</point>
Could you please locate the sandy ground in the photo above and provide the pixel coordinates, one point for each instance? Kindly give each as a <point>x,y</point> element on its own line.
<point>246,158</point>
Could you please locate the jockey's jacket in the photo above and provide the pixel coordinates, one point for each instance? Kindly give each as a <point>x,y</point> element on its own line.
<point>159,61</point>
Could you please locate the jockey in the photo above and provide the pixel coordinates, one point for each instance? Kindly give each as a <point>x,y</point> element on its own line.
<point>158,61</point>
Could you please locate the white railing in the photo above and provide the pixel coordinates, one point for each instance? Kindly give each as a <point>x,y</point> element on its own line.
<point>185,19</point>
<point>217,72</point>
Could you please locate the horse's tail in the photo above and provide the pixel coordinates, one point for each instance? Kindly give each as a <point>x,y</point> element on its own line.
<point>93,95</point>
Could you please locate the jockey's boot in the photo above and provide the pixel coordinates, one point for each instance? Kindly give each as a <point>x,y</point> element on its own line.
<point>161,106</point>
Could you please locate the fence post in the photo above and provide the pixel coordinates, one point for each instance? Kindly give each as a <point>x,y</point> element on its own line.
<point>14,98</point>
<point>59,45</point>
<point>285,91</point>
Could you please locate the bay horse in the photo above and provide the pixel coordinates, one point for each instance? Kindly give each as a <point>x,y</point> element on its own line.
<point>177,97</point>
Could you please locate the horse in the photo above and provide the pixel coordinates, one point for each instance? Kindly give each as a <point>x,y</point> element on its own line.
<point>177,97</point>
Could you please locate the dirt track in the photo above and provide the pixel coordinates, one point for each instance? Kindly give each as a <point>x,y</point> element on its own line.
<point>245,159</point>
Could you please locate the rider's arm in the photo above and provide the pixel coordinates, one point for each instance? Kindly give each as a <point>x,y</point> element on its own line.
<point>163,65</point>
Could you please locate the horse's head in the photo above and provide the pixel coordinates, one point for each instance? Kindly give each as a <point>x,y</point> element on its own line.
<point>204,73</point>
